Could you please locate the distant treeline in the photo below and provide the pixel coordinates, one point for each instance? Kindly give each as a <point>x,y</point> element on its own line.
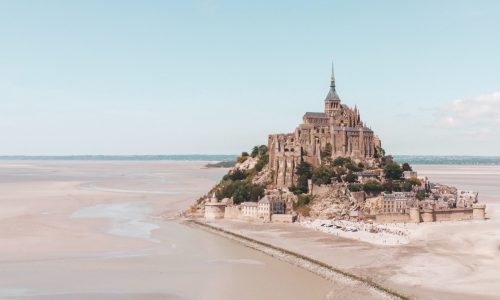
<point>448,160</point>
<point>222,164</point>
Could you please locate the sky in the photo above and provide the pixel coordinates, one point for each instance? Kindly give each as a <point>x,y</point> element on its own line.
<point>216,77</point>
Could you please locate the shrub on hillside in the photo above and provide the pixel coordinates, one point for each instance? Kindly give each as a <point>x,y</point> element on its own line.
<point>353,187</point>
<point>393,171</point>
<point>304,173</point>
<point>323,175</point>
<point>262,162</point>
<point>373,187</point>
<point>351,178</point>
<point>240,191</point>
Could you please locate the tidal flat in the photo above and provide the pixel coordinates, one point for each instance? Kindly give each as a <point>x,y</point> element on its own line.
<point>80,230</point>
<point>97,229</point>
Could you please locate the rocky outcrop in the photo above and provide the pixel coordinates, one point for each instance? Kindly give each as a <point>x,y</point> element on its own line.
<point>263,178</point>
<point>331,201</point>
<point>246,165</point>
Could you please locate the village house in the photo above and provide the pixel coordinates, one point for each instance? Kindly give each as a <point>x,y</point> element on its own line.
<point>364,176</point>
<point>409,174</point>
<point>249,209</point>
<point>268,206</point>
<point>396,202</point>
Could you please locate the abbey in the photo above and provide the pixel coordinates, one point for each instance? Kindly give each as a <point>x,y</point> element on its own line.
<point>338,128</point>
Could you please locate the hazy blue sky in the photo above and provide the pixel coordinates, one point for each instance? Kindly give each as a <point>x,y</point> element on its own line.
<point>215,77</point>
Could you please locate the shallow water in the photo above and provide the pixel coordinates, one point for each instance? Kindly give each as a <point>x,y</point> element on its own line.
<point>483,179</point>
<point>61,241</point>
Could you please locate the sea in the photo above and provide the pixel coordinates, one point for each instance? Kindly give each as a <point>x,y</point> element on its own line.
<point>411,159</point>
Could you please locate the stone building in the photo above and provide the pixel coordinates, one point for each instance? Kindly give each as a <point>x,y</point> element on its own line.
<point>214,209</point>
<point>339,127</point>
<point>269,206</point>
<point>249,209</point>
<point>396,202</point>
<point>409,174</point>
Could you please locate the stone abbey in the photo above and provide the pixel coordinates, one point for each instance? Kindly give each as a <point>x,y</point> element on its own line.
<point>338,128</point>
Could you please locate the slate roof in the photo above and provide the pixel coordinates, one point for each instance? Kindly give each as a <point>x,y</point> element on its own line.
<point>332,95</point>
<point>315,115</point>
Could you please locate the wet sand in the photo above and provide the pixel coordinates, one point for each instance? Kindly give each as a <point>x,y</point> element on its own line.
<point>448,260</point>
<point>80,230</point>
<point>91,230</point>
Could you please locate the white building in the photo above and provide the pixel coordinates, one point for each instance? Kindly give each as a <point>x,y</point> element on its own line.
<point>465,199</point>
<point>409,174</point>
<point>249,209</point>
<point>396,202</point>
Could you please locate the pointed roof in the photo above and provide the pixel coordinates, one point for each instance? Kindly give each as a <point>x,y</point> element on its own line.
<point>332,94</point>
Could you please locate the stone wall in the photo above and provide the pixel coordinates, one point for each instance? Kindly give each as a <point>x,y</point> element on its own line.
<point>214,211</point>
<point>426,215</point>
<point>320,189</point>
<point>282,218</point>
<point>359,197</point>
<point>478,211</point>
<point>232,212</point>
<point>452,215</point>
<point>392,218</point>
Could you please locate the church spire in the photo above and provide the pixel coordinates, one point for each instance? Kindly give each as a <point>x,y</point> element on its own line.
<point>332,94</point>
<point>332,80</point>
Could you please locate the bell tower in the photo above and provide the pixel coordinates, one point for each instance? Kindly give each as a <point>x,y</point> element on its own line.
<point>332,100</point>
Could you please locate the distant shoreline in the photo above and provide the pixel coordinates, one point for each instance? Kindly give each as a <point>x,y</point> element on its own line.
<point>412,159</point>
<point>183,157</point>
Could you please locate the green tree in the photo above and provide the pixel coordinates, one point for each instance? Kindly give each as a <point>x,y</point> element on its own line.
<point>386,159</point>
<point>373,187</point>
<point>255,151</point>
<point>421,195</point>
<point>237,175</point>
<point>323,175</point>
<point>406,186</point>
<point>390,186</point>
<point>393,171</point>
<point>302,201</point>
<point>263,150</point>
<point>341,161</point>
<point>240,191</point>
<point>263,161</point>
<point>327,152</point>
<point>406,167</point>
<point>351,178</point>
<point>414,181</point>
<point>304,173</point>
<point>353,168</point>
<point>355,187</point>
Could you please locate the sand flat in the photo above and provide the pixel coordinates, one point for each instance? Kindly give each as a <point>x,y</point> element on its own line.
<point>446,260</point>
<point>92,230</point>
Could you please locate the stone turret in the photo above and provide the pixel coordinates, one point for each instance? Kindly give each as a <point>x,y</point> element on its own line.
<point>478,211</point>
<point>414,215</point>
<point>214,209</point>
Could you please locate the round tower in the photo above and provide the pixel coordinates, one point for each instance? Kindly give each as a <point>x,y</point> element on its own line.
<point>414,215</point>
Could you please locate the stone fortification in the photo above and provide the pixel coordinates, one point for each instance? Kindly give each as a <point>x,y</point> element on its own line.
<point>338,128</point>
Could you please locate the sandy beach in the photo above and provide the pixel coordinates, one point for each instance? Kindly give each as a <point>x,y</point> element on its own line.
<point>101,230</point>
<point>448,260</point>
<point>80,230</point>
